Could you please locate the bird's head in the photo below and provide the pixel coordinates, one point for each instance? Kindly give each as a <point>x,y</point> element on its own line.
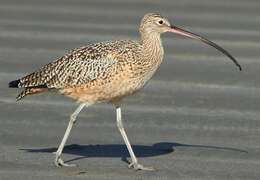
<point>154,23</point>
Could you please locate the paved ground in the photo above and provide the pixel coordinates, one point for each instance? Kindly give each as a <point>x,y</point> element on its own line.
<point>197,119</point>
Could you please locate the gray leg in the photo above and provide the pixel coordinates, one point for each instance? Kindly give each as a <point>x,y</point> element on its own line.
<point>134,164</point>
<point>58,161</point>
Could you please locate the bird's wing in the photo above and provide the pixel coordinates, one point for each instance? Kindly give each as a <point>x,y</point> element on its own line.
<point>76,68</point>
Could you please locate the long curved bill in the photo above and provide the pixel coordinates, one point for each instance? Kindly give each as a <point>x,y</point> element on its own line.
<point>183,32</point>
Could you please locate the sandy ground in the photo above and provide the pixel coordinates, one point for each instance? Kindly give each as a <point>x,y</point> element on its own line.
<point>197,119</point>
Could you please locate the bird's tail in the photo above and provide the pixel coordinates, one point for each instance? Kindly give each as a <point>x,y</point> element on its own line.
<point>14,84</point>
<point>27,90</point>
<point>30,91</point>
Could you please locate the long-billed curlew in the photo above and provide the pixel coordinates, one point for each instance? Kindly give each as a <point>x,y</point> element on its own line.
<point>106,72</point>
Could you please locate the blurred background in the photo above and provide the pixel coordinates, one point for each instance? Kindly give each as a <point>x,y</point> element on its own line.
<point>198,118</point>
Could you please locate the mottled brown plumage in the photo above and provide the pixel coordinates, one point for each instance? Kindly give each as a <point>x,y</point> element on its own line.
<point>101,69</point>
<point>106,72</point>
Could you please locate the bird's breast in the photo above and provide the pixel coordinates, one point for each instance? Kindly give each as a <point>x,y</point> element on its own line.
<point>148,65</point>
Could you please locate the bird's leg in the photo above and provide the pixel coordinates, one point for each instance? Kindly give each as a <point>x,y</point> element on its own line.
<point>58,161</point>
<point>134,164</point>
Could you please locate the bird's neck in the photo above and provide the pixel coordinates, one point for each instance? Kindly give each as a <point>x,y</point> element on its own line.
<point>152,48</point>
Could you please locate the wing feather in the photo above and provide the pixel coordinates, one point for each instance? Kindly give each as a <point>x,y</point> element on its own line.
<point>82,65</point>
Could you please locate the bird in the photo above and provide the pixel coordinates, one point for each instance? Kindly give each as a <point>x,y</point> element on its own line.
<point>107,72</point>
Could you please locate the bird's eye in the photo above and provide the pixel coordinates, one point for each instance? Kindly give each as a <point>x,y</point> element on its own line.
<point>160,22</point>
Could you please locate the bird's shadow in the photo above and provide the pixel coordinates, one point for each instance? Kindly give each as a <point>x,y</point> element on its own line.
<point>120,150</point>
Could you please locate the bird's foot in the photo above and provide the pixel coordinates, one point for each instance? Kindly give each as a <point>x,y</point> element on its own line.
<point>60,163</point>
<point>137,166</point>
